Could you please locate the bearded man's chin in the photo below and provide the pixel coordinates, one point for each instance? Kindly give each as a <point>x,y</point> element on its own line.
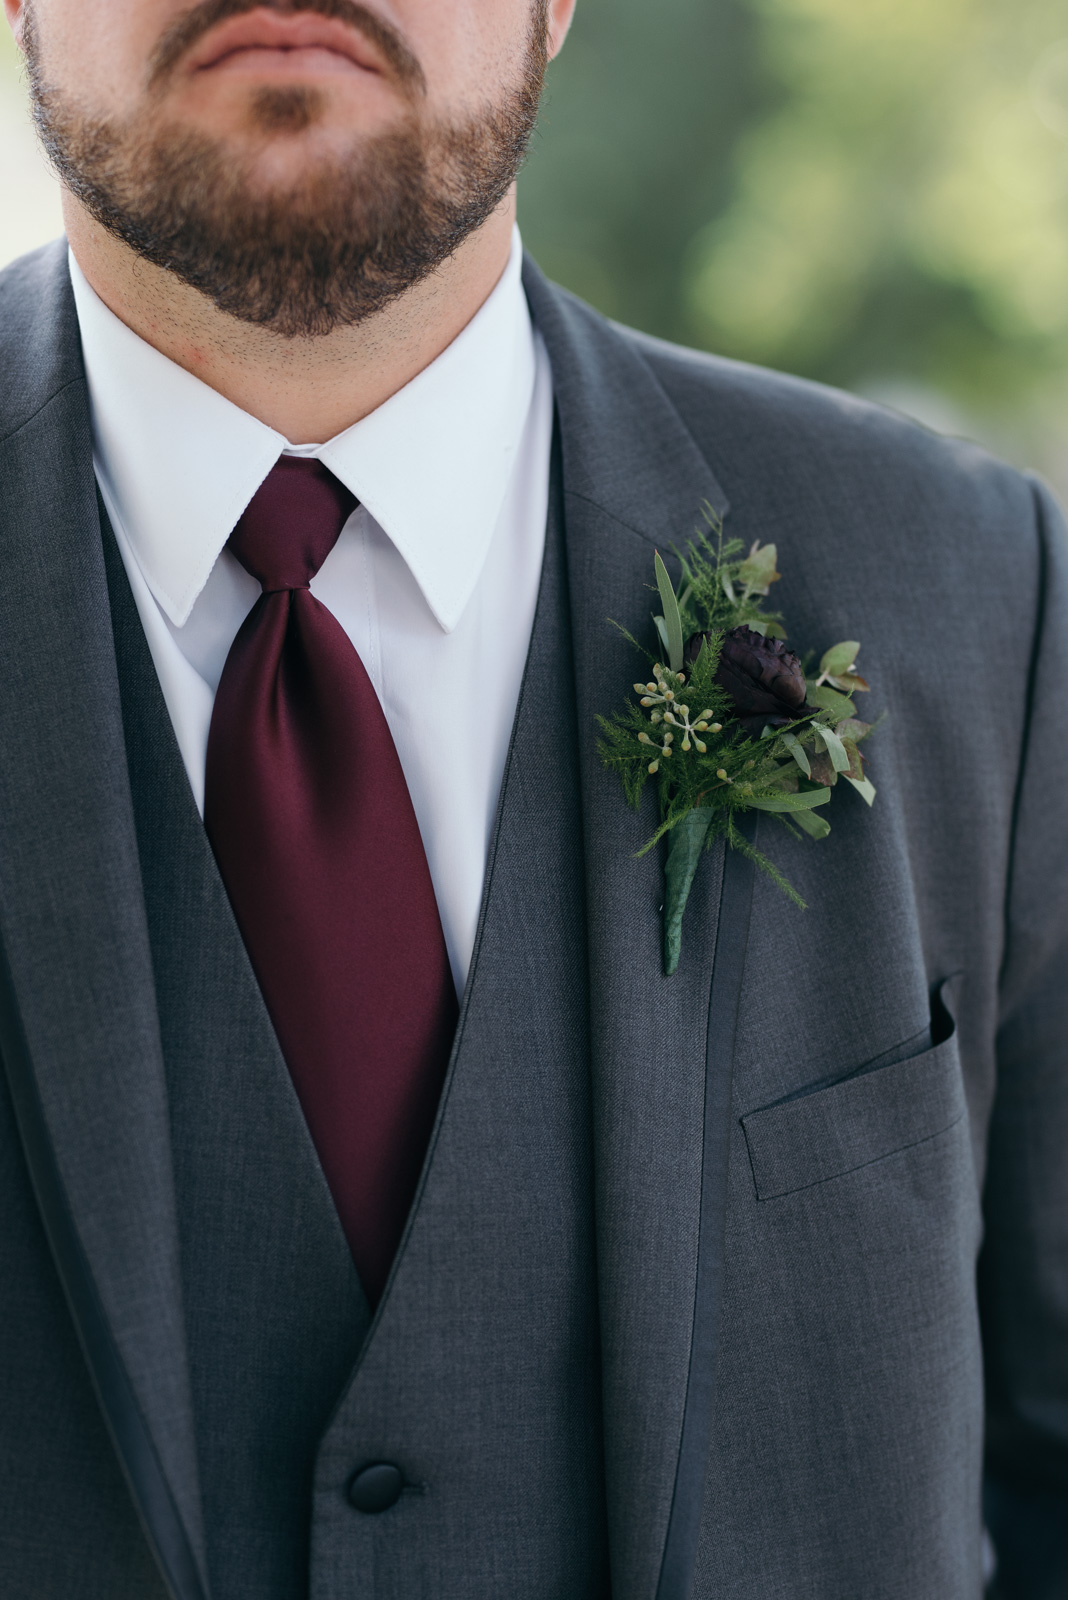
<point>303,253</point>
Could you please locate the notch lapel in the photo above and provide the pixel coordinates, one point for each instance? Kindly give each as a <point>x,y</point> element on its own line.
<point>78,1025</point>
<point>661,1051</point>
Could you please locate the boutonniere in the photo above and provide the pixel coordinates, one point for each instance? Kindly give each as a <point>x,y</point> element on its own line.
<point>729,720</point>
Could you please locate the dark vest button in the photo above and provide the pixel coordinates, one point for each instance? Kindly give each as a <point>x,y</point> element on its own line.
<point>376,1488</point>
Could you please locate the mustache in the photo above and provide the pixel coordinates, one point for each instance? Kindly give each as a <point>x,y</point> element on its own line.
<point>193,24</point>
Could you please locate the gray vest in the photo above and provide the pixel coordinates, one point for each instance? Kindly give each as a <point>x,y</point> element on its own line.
<point>479,1377</point>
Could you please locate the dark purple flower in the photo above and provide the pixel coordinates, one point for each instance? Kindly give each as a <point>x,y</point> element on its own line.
<point>762,677</point>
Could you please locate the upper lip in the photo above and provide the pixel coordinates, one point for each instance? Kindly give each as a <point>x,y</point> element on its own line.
<point>270,30</point>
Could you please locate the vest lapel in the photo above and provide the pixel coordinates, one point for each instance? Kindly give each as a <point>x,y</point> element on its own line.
<point>660,1048</point>
<point>81,1042</point>
<point>274,1310</point>
<point>80,1039</point>
<point>480,1374</point>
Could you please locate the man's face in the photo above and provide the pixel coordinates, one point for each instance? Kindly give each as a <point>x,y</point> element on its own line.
<point>301,162</point>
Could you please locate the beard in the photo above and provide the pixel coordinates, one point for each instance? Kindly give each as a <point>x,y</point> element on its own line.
<point>360,226</point>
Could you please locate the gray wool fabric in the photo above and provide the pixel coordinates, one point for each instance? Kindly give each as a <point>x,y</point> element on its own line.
<point>751,1282</point>
<point>274,1312</point>
<point>500,1348</point>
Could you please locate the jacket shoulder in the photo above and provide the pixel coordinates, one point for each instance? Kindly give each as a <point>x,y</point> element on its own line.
<point>40,352</point>
<point>753,422</point>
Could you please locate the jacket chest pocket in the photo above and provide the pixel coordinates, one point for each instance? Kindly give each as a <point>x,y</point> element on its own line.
<point>860,1119</point>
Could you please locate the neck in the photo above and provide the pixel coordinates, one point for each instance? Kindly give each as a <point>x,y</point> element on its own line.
<point>307,389</point>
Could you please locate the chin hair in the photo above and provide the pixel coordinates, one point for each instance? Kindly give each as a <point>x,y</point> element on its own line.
<point>285,108</point>
<point>301,259</point>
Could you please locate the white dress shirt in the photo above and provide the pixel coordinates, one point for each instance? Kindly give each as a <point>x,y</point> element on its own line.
<point>434,578</point>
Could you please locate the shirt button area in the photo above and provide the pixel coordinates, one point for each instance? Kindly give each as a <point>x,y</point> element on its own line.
<point>376,1487</point>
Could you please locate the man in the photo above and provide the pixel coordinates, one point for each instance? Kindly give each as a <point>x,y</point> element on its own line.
<point>378,1219</point>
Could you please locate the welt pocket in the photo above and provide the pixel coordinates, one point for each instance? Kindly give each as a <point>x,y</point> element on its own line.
<point>860,1119</point>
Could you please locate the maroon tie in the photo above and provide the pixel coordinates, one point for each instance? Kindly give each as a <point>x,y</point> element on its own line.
<point>312,825</point>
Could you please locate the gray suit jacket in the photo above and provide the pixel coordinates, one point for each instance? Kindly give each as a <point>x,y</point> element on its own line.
<point>703,1275</point>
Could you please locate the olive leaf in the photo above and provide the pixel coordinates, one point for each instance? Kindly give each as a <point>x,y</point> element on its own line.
<point>797,750</point>
<point>791,802</point>
<point>672,619</point>
<point>864,787</point>
<point>685,842</point>
<point>834,747</point>
<point>817,827</point>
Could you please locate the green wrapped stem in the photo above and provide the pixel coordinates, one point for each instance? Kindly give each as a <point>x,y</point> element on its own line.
<point>685,843</point>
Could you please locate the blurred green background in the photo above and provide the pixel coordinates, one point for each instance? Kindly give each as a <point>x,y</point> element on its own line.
<point>873,193</point>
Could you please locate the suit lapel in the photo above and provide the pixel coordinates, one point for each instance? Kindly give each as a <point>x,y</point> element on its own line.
<point>633,478</point>
<point>80,1034</point>
<point>79,1029</point>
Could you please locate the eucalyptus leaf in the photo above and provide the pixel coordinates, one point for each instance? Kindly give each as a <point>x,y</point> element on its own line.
<point>792,802</point>
<point>839,658</point>
<point>856,761</point>
<point>685,842</point>
<point>834,704</point>
<point>758,625</point>
<point>834,747</point>
<point>797,750</point>
<point>757,572</point>
<point>818,827</point>
<point>661,628</point>
<point>864,787</point>
<point>852,728</point>
<point>823,769</point>
<point>672,619</point>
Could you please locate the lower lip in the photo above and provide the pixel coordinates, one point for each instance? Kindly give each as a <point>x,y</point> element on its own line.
<point>262,61</point>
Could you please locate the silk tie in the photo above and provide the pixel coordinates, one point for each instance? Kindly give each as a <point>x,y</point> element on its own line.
<point>314,832</point>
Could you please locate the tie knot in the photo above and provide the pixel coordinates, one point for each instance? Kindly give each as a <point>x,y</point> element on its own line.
<point>292,523</point>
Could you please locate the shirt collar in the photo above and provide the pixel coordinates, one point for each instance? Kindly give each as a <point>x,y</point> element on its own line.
<point>179,462</point>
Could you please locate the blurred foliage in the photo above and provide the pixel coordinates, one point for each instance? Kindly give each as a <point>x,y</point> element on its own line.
<point>870,192</point>
<point>864,191</point>
<point>634,151</point>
